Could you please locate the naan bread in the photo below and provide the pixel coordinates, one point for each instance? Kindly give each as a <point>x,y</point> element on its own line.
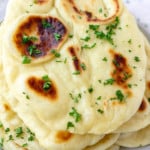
<point>73,101</point>
<point>106,142</point>
<point>135,139</point>
<point>144,109</point>
<point>16,134</point>
<point>61,140</point>
<point>114,147</point>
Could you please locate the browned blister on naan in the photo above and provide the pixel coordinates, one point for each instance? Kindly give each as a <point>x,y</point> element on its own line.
<point>38,36</point>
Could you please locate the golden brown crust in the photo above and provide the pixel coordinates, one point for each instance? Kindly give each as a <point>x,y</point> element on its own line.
<point>37,84</point>
<point>63,136</point>
<point>37,36</point>
<point>143,106</point>
<point>121,71</point>
<point>89,16</point>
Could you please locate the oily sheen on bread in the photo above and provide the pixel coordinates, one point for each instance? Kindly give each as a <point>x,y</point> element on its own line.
<point>57,107</point>
<point>72,74</point>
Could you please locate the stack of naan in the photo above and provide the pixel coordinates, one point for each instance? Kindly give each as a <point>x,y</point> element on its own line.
<point>74,75</point>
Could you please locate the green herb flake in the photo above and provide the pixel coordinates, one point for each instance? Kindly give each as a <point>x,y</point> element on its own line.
<point>120,95</point>
<point>10,138</point>
<point>137,59</point>
<point>94,27</point>
<point>33,50</point>
<point>46,24</point>
<point>18,131</point>
<point>130,41</point>
<point>75,98</point>
<point>57,36</point>
<point>47,82</point>
<point>130,85</point>
<point>7,130</point>
<point>76,72</point>
<point>100,111</point>
<point>129,50</point>
<point>26,95</point>
<point>75,115</point>
<point>25,145</point>
<point>99,98</point>
<point>105,59</point>
<point>100,10</point>
<point>1,125</point>
<point>56,54</point>
<point>1,142</point>
<point>88,46</point>
<point>83,66</point>
<point>86,39</point>
<point>109,81</point>
<point>26,60</point>
<point>90,89</point>
<point>70,125</point>
<point>26,39</point>
<point>70,36</point>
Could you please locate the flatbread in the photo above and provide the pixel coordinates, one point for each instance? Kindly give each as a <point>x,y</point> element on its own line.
<point>135,139</point>
<point>61,140</point>
<point>91,115</point>
<point>106,142</point>
<point>144,109</point>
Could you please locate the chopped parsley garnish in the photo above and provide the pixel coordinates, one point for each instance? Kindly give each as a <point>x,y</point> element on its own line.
<point>136,58</point>
<point>88,46</point>
<point>109,81</point>
<point>109,31</point>
<point>25,145</point>
<point>26,39</point>
<point>130,85</point>
<point>31,135</point>
<point>57,36</point>
<point>7,130</point>
<point>130,41</point>
<point>90,89</point>
<point>104,59</point>
<point>47,83</point>
<point>126,76</point>
<point>10,138</point>
<point>33,50</point>
<point>76,72</point>
<point>26,95</point>
<point>86,39</point>
<point>1,125</point>
<point>100,10</point>
<point>70,125</point>
<point>129,50</point>
<point>83,66</point>
<point>56,54</point>
<point>75,98</point>
<point>26,60</point>
<point>99,98</point>
<point>100,111</point>
<point>18,131</point>
<point>94,27</point>
<point>1,142</point>
<point>70,36</point>
<point>46,24</point>
<point>75,115</point>
<point>120,95</point>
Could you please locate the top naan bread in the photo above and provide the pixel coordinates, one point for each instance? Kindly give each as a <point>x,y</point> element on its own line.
<point>77,75</point>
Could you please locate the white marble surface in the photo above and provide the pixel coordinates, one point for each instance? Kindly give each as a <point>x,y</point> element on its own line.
<point>141,10</point>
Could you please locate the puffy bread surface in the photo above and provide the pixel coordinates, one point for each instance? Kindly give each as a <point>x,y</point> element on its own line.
<point>144,108</point>
<point>79,99</point>
<point>47,139</point>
